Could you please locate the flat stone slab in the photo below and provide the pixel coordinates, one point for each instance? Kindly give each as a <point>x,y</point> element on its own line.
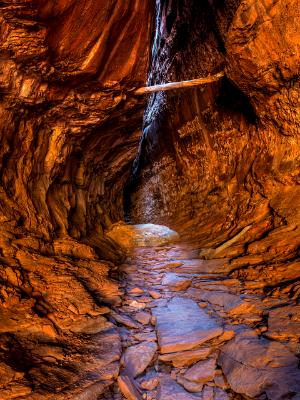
<point>186,358</point>
<point>254,366</point>
<point>145,336</point>
<point>284,323</point>
<point>203,371</point>
<point>124,320</point>
<point>143,317</point>
<point>154,294</point>
<point>176,282</point>
<point>197,266</point>
<point>192,387</point>
<point>182,325</point>
<point>165,266</point>
<point>170,390</point>
<point>128,388</point>
<point>138,357</point>
<point>233,304</point>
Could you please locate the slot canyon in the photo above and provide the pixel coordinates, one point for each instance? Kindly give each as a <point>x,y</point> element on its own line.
<point>149,242</point>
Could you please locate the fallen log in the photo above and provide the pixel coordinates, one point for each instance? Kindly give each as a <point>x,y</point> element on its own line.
<point>208,254</point>
<point>179,85</point>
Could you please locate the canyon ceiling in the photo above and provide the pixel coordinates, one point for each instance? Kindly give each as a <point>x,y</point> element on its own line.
<point>219,163</point>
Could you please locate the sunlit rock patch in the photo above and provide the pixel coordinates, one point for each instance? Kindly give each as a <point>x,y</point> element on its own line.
<point>141,235</point>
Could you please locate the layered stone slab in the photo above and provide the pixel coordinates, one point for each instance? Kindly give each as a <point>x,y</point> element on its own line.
<point>232,304</point>
<point>176,282</point>
<point>182,325</point>
<point>186,358</point>
<point>203,371</point>
<point>138,357</point>
<point>284,323</point>
<point>170,390</point>
<point>254,366</point>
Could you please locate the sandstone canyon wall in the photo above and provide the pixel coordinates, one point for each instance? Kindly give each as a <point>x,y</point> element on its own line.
<point>69,131</point>
<point>220,163</point>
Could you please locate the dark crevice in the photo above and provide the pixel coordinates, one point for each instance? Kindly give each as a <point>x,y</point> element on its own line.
<point>232,99</point>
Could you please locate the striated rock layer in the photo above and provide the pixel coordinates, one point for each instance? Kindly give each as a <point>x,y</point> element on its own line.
<point>69,130</point>
<point>220,163</point>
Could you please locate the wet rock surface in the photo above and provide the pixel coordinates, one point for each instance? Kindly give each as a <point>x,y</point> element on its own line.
<point>182,325</point>
<point>200,342</point>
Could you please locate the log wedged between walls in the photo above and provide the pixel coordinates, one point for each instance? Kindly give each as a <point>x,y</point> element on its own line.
<point>69,130</point>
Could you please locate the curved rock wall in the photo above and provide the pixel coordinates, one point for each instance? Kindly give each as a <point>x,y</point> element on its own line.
<point>220,163</point>
<point>69,130</point>
<point>63,100</point>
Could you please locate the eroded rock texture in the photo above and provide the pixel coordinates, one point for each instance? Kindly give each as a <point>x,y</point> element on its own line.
<point>69,130</point>
<point>222,158</point>
<point>219,164</point>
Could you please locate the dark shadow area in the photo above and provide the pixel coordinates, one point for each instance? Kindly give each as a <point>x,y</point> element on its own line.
<point>232,99</point>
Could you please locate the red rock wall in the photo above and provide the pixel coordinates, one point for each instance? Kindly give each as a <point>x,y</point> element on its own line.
<point>217,159</point>
<point>69,129</point>
<point>213,161</point>
<point>62,86</point>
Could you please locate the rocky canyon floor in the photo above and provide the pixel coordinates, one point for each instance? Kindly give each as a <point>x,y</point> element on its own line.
<point>191,331</point>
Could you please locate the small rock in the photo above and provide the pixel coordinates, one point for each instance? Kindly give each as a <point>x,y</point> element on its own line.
<point>136,304</point>
<point>203,371</point>
<point>143,317</point>
<point>124,320</point>
<point>154,294</point>
<point>144,299</point>
<point>138,357</point>
<point>186,358</point>
<point>127,388</point>
<point>136,290</point>
<point>175,282</point>
<point>145,336</point>
<point>262,329</point>
<point>208,393</point>
<point>150,384</point>
<point>220,382</point>
<point>220,394</point>
<point>170,390</point>
<point>192,387</point>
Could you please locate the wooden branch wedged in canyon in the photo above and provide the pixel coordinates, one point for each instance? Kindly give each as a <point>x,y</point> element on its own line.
<point>179,85</point>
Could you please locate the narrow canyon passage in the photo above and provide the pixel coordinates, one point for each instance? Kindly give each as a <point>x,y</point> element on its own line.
<point>210,307</point>
<point>189,330</point>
